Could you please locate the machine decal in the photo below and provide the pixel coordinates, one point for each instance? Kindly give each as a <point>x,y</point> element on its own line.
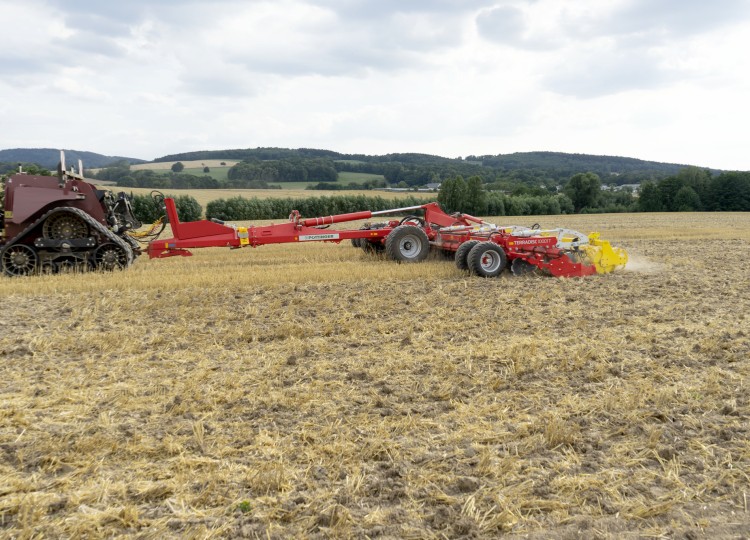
<point>318,237</point>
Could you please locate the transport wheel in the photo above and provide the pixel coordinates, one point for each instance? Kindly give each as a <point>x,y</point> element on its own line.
<point>486,259</point>
<point>407,243</point>
<point>110,257</point>
<point>19,260</point>
<point>64,226</point>
<point>357,242</point>
<point>462,252</point>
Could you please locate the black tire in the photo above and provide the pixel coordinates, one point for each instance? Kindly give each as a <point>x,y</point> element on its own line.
<point>462,252</point>
<point>357,242</point>
<point>407,243</point>
<point>487,259</point>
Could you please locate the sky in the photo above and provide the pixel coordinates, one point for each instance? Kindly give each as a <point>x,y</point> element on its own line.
<point>661,80</point>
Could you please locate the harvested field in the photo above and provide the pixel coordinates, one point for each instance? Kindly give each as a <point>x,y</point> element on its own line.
<point>316,391</point>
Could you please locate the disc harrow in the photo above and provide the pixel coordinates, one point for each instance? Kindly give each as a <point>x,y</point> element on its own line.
<point>479,247</point>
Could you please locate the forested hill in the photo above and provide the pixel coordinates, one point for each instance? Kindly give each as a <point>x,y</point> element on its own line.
<point>49,157</point>
<point>522,166</point>
<point>569,164</point>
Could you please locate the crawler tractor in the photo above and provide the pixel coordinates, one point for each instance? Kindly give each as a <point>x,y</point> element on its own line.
<point>60,223</point>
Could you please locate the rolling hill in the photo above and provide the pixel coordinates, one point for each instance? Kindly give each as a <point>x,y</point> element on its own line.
<point>49,157</point>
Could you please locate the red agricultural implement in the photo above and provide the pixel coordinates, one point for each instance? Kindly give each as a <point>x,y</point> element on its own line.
<point>481,247</point>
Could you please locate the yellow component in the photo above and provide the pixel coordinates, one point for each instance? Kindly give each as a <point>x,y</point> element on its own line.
<point>148,231</point>
<point>603,256</point>
<point>9,214</point>
<point>243,236</point>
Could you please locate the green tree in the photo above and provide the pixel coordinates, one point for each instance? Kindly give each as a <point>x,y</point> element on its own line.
<point>452,195</point>
<point>476,197</point>
<point>649,199</point>
<point>730,191</point>
<point>668,189</point>
<point>206,170</point>
<point>188,209</point>
<point>584,190</point>
<point>698,179</point>
<point>177,167</point>
<point>566,205</point>
<point>687,200</point>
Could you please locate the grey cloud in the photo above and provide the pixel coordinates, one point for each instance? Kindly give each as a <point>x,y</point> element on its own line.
<point>367,35</point>
<point>218,85</point>
<point>89,43</point>
<point>355,43</point>
<point>367,9</point>
<point>116,12</point>
<point>18,66</point>
<point>324,59</point>
<point>502,25</point>
<point>675,17</point>
<point>606,73</point>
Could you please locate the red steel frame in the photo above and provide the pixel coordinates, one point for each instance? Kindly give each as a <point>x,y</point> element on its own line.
<point>204,233</point>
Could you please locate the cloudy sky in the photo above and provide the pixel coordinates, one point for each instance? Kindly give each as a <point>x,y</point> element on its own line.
<point>664,80</point>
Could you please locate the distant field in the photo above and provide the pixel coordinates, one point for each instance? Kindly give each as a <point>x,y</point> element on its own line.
<point>216,170</point>
<point>220,173</point>
<point>196,164</point>
<point>358,178</point>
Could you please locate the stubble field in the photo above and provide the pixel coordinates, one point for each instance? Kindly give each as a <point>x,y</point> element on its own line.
<point>317,391</point>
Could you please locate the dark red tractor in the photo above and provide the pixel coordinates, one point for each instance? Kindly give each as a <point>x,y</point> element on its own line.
<point>62,223</point>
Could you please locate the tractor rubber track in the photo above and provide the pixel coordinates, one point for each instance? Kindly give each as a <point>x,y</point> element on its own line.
<point>94,224</point>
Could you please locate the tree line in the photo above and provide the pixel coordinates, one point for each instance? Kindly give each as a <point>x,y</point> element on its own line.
<point>694,189</point>
<point>286,170</point>
<point>147,210</point>
<point>241,208</point>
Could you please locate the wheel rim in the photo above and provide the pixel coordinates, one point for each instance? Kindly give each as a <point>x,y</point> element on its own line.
<point>19,260</point>
<point>490,261</point>
<point>110,257</point>
<point>64,227</point>
<point>410,246</point>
